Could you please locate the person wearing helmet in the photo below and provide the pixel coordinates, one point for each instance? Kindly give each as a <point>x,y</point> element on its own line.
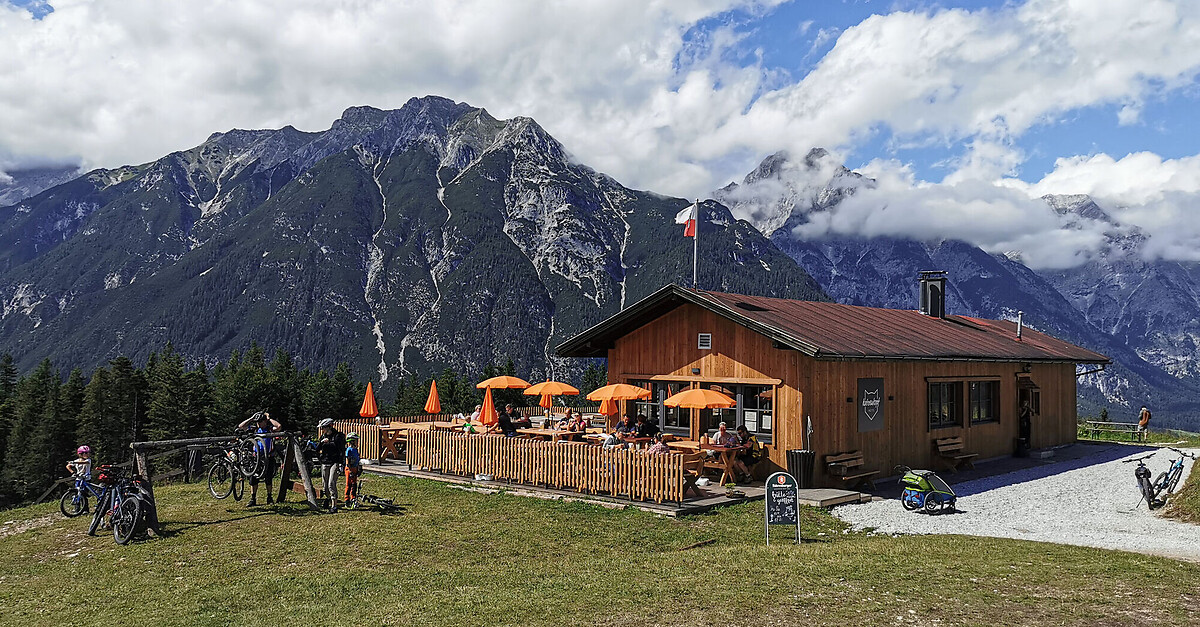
<point>81,466</point>
<point>264,423</point>
<point>353,467</point>
<point>331,452</point>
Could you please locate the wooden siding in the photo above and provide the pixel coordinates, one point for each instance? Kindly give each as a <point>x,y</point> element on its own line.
<point>817,388</point>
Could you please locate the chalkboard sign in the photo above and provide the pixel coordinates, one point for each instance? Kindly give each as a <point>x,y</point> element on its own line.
<point>782,503</point>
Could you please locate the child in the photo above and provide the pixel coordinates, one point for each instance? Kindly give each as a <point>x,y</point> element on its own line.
<point>81,466</point>
<point>353,466</point>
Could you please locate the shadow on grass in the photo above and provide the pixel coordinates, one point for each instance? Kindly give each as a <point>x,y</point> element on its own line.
<point>170,529</point>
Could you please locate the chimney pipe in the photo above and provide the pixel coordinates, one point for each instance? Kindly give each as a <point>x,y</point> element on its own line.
<point>1020,314</point>
<point>933,293</point>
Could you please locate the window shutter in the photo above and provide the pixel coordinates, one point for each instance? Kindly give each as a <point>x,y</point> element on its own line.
<point>705,341</point>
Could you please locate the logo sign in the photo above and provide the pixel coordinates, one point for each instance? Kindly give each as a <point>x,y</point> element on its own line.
<point>782,502</point>
<point>870,404</point>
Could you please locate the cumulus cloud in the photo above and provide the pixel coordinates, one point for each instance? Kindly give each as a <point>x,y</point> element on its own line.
<point>627,85</point>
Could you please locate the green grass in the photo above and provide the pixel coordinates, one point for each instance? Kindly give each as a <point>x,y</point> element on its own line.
<point>461,558</point>
<point>1173,437</point>
<point>1185,504</point>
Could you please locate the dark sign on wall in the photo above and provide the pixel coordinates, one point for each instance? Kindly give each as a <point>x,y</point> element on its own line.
<point>870,405</point>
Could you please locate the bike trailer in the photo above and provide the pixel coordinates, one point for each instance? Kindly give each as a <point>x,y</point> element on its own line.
<point>925,489</point>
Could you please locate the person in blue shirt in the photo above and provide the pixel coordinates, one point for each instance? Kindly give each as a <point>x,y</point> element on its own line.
<point>353,467</point>
<point>266,447</point>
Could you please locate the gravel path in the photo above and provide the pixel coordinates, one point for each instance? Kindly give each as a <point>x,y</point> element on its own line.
<point>1088,501</point>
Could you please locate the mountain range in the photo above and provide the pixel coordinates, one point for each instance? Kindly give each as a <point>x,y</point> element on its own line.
<point>435,235</point>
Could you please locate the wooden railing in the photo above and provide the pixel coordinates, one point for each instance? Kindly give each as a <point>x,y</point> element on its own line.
<point>584,468</point>
<point>368,435</point>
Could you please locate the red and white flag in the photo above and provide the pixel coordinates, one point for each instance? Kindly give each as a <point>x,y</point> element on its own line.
<point>687,217</point>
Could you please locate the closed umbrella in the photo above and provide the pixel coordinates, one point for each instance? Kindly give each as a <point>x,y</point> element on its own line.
<point>369,409</point>
<point>488,415</point>
<point>433,405</point>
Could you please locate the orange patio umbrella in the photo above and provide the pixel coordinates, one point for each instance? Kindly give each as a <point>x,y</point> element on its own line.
<point>501,382</point>
<point>699,398</point>
<point>548,390</point>
<point>610,394</point>
<point>369,409</point>
<point>488,415</point>
<point>433,405</point>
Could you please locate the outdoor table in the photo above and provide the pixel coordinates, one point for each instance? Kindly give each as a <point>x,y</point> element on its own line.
<point>686,445</point>
<point>389,439</point>
<point>637,442</point>
<point>445,426</point>
<point>550,434</point>
<point>728,454</point>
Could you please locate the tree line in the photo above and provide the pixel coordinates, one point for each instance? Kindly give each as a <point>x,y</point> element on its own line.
<point>44,418</point>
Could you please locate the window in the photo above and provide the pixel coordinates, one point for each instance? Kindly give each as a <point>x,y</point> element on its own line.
<point>983,399</point>
<point>754,409</point>
<point>669,419</point>
<point>944,405</point>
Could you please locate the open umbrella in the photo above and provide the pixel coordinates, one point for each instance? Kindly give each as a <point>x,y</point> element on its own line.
<point>433,405</point>
<point>503,381</point>
<point>548,390</point>
<point>369,409</point>
<point>699,398</point>
<point>610,394</point>
<point>488,415</point>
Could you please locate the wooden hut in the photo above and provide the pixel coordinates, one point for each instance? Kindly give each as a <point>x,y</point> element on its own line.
<point>887,383</point>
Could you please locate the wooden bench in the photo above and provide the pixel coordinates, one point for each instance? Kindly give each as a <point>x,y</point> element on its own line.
<point>693,469</point>
<point>849,467</point>
<point>1096,426</point>
<point>951,450</point>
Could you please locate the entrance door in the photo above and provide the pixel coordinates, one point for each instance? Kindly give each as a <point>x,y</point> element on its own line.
<point>1029,407</point>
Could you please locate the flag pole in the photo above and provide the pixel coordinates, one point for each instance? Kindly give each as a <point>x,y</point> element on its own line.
<point>696,249</point>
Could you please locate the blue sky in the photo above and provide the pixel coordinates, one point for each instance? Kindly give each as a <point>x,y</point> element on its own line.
<point>965,113</point>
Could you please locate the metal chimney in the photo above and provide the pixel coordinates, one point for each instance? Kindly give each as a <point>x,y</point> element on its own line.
<point>933,293</point>
<point>1020,314</point>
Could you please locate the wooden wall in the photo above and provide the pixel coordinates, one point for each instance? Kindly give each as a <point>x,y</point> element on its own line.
<point>818,388</point>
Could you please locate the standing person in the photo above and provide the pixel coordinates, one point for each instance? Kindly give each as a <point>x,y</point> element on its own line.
<point>353,466</point>
<point>266,448</point>
<point>1143,422</point>
<point>331,451</point>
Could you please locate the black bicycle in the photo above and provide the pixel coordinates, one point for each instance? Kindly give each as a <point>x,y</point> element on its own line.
<point>364,500</point>
<point>225,474</point>
<point>1142,474</point>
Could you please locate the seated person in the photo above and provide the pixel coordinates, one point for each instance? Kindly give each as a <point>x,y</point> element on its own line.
<point>723,436</point>
<point>645,428</point>
<point>612,441</point>
<point>573,421</point>
<point>504,424</point>
<point>476,413</point>
<point>518,421</point>
<point>748,457</point>
<point>628,426</point>
<point>658,447</point>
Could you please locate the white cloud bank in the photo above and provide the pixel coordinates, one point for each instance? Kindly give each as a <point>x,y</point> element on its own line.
<point>126,81</point>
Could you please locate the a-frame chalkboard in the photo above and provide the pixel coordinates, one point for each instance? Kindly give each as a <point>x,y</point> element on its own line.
<point>782,501</point>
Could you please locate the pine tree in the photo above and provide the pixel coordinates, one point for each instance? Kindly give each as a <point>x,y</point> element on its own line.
<point>320,400</point>
<point>165,418</point>
<point>8,386</point>
<point>347,393</point>
<point>35,407</point>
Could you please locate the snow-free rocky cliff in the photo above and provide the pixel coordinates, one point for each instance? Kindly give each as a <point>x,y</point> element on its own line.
<point>402,241</point>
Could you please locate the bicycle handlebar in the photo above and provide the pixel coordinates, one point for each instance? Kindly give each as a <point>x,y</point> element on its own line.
<point>1191,455</point>
<point>1144,457</point>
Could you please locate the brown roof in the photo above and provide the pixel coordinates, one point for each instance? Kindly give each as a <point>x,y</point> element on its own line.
<point>833,331</point>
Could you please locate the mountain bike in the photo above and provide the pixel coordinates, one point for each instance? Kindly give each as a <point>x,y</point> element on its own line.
<point>1143,474</point>
<point>225,475</point>
<point>74,501</point>
<point>364,500</point>
<point>117,508</point>
<point>1166,482</point>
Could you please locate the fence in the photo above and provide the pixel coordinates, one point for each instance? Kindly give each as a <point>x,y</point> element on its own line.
<point>533,412</point>
<point>368,435</point>
<point>620,472</point>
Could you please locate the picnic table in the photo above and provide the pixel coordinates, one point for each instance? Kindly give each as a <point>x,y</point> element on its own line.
<point>725,465</point>
<point>390,441</point>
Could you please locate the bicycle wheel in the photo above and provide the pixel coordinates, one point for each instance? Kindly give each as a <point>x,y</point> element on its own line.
<point>239,486</point>
<point>101,510</point>
<point>73,503</point>
<point>249,459</point>
<point>125,519</point>
<point>1174,482</point>
<point>220,479</point>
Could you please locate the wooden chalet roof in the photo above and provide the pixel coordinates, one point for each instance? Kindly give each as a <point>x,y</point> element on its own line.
<point>833,331</point>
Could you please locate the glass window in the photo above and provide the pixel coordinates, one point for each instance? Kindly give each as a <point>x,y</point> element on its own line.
<point>984,400</point>
<point>754,409</point>
<point>670,419</point>
<point>944,405</point>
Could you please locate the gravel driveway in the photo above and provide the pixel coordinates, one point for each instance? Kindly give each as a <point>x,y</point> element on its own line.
<point>1091,500</point>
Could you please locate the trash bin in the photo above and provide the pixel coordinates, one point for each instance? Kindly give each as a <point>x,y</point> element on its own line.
<point>1020,447</point>
<point>800,465</point>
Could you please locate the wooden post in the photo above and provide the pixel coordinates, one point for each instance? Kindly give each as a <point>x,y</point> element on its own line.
<point>143,468</point>
<point>285,473</point>
<point>298,458</point>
